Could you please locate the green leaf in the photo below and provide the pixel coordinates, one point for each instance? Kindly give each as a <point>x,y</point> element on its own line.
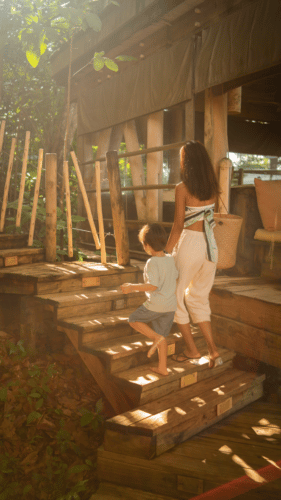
<point>99,405</point>
<point>43,47</point>
<point>32,58</point>
<point>39,403</point>
<point>93,21</point>
<point>3,394</point>
<point>76,469</point>
<point>86,419</point>
<point>126,58</point>
<point>27,489</point>
<point>31,18</point>
<point>98,61</point>
<point>111,64</point>
<point>115,3</point>
<point>35,395</point>
<point>34,415</point>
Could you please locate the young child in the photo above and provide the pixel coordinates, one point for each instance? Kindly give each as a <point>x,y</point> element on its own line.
<point>159,285</point>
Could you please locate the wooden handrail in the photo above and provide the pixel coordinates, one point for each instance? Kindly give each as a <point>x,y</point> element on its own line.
<point>176,145</point>
<point>138,188</point>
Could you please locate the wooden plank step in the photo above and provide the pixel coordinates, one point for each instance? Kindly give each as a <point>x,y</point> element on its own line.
<point>108,491</point>
<point>89,301</point>
<point>252,301</point>
<point>122,353</point>
<point>155,427</point>
<point>149,385</point>
<point>208,460</point>
<point>44,278</point>
<point>20,256</point>
<point>13,240</point>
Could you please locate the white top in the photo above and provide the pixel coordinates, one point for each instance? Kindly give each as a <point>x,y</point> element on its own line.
<point>161,272</point>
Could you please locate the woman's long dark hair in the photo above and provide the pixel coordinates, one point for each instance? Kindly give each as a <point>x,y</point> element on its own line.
<point>197,171</point>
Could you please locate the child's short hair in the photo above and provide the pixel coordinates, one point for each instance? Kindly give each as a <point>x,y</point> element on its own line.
<point>153,235</point>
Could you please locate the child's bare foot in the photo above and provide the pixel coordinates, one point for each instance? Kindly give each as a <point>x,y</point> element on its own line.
<point>156,369</point>
<point>215,361</point>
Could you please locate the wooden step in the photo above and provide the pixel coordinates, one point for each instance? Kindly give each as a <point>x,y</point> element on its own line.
<point>109,491</point>
<point>90,301</point>
<point>158,426</point>
<point>13,240</point>
<point>19,256</point>
<point>125,352</point>
<point>149,385</point>
<point>243,443</point>
<point>44,278</point>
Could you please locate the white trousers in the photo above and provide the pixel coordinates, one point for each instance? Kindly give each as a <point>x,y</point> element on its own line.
<point>196,277</point>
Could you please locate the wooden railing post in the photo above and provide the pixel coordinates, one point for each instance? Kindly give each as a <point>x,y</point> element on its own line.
<point>225,166</point>
<point>118,212</point>
<point>51,206</point>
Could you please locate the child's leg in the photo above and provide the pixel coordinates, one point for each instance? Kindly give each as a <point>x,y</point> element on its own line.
<point>162,346</point>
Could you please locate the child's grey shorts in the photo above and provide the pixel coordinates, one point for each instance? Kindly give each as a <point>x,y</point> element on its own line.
<point>161,322</point>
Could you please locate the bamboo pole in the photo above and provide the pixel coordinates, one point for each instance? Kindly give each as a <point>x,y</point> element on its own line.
<point>2,130</point>
<point>100,217</point>
<point>51,207</point>
<point>68,208</point>
<point>86,201</point>
<point>23,174</point>
<point>7,184</point>
<point>35,199</point>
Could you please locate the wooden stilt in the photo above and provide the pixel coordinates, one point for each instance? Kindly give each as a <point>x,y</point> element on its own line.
<point>215,127</point>
<point>35,199</point>
<point>7,184</point>
<point>100,216</point>
<point>176,135</point>
<point>154,165</point>
<point>234,101</point>
<point>86,201</point>
<point>118,213</point>
<point>190,120</point>
<point>132,144</point>
<point>68,208</point>
<point>225,166</point>
<point>51,207</point>
<point>23,175</point>
<point>2,130</point>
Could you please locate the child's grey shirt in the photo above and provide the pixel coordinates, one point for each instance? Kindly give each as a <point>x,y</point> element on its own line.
<point>161,272</point>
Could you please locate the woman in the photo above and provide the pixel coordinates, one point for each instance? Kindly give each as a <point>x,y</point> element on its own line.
<point>194,248</point>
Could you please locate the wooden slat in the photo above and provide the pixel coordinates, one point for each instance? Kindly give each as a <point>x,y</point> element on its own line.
<point>7,184</point>
<point>35,198</point>
<point>23,175</point>
<point>109,491</point>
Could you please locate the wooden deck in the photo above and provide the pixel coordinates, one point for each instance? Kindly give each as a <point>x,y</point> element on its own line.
<point>246,317</point>
<point>240,446</point>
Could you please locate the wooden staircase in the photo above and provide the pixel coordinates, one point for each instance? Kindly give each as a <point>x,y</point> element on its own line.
<point>152,413</point>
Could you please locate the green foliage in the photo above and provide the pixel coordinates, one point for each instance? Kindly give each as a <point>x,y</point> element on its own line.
<point>40,457</point>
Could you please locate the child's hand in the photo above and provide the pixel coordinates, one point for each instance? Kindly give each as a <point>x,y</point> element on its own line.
<point>126,288</point>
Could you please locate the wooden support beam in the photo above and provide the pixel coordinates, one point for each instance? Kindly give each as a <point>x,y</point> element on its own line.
<point>23,175</point>
<point>51,206</point>
<point>118,213</point>
<point>154,204</point>
<point>35,198</point>
<point>234,101</point>
<point>7,184</point>
<point>176,135</point>
<point>100,216</point>
<point>68,208</point>
<point>190,120</point>
<point>215,127</point>
<point>2,131</point>
<point>132,144</point>
<point>225,171</point>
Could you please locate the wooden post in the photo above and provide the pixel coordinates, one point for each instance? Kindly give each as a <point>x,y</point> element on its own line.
<point>23,175</point>
<point>118,213</point>
<point>190,120</point>
<point>7,184</point>
<point>215,127</point>
<point>51,206</point>
<point>224,179</point>
<point>35,199</point>
<point>68,208</point>
<point>176,135</point>
<point>2,130</point>
<point>240,176</point>
<point>132,144</point>
<point>154,165</point>
<point>86,201</point>
<point>100,217</point>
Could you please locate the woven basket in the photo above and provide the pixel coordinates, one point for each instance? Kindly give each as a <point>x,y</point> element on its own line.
<point>226,233</point>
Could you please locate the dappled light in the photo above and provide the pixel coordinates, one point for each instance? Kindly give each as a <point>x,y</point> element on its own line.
<point>267,431</point>
<point>126,347</point>
<point>225,449</point>
<point>249,471</point>
<point>272,462</point>
<point>219,390</point>
<point>180,411</point>
<point>199,401</point>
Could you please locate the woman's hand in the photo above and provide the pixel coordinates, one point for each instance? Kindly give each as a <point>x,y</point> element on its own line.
<point>126,288</point>
<point>179,218</point>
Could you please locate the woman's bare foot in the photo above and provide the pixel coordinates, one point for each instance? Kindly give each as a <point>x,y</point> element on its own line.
<point>156,369</point>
